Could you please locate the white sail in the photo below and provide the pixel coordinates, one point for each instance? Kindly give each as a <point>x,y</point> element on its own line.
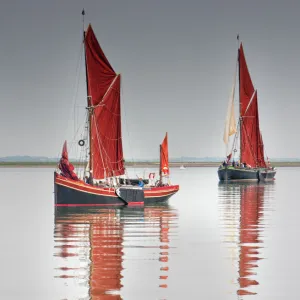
<point>230,124</point>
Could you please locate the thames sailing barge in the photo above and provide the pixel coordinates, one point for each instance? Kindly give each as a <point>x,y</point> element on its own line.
<point>104,181</point>
<point>249,163</point>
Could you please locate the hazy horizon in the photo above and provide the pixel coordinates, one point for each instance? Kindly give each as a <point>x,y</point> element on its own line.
<point>177,63</point>
<point>27,158</point>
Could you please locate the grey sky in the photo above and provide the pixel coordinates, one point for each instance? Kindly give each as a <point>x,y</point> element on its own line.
<point>177,60</point>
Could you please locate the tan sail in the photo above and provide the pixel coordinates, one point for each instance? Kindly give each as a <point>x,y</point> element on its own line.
<point>230,124</point>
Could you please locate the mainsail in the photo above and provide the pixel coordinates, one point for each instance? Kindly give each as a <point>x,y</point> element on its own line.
<point>103,90</point>
<point>252,150</point>
<point>164,156</point>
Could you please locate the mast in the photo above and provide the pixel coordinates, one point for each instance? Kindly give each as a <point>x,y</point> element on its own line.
<point>160,166</point>
<point>240,108</point>
<point>88,98</point>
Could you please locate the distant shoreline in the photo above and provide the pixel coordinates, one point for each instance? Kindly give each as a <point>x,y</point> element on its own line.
<point>136,165</point>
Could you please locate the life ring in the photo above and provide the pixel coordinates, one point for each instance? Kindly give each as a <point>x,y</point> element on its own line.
<point>81,143</point>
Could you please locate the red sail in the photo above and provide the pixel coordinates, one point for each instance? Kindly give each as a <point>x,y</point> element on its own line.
<point>104,96</point>
<point>164,156</point>
<point>66,168</point>
<point>100,74</point>
<point>252,151</point>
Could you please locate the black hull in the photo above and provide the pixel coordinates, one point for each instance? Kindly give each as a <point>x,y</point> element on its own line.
<point>83,195</point>
<point>231,174</point>
<point>236,174</point>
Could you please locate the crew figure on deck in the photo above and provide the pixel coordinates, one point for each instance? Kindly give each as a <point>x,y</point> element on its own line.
<point>89,179</point>
<point>141,182</point>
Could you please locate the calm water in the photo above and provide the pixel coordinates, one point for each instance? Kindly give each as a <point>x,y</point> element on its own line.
<point>212,241</point>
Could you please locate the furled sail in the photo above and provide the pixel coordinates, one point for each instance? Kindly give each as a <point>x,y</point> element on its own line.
<point>230,124</point>
<point>164,156</point>
<point>252,150</point>
<point>104,87</point>
<point>66,168</point>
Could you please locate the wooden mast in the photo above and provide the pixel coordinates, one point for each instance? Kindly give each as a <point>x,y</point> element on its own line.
<point>160,166</point>
<point>89,102</point>
<point>240,106</point>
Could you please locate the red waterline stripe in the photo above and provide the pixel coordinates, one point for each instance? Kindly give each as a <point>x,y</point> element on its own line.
<point>86,204</point>
<point>90,204</point>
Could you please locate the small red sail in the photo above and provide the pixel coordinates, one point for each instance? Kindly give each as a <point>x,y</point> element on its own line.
<point>164,156</point>
<point>66,168</point>
<point>104,87</point>
<point>252,151</point>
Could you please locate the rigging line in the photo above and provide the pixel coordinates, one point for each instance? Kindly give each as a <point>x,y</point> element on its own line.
<point>77,87</point>
<point>107,156</point>
<point>110,139</point>
<point>75,93</point>
<point>100,150</point>
<point>251,147</point>
<point>77,84</point>
<point>235,137</point>
<point>264,151</point>
<point>126,126</point>
<point>73,143</point>
<point>82,149</point>
<point>75,135</point>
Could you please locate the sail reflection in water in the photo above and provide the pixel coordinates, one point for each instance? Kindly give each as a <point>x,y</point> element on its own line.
<point>242,208</point>
<point>91,246</point>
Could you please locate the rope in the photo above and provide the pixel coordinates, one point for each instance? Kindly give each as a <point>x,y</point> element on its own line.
<point>75,94</point>
<point>126,126</point>
<point>251,148</point>
<point>97,134</point>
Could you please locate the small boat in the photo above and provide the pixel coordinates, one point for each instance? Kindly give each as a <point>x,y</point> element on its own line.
<point>182,167</point>
<point>247,153</point>
<point>104,181</point>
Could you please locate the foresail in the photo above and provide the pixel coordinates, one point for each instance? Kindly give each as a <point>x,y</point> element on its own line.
<point>164,156</point>
<point>251,140</point>
<point>230,123</point>
<point>104,93</point>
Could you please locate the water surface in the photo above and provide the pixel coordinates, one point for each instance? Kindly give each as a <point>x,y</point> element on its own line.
<point>212,241</point>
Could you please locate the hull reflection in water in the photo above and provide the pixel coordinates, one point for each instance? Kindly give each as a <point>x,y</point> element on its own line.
<point>242,207</point>
<point>91,246</point>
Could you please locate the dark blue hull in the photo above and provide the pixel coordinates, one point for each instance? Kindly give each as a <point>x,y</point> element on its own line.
<point>247,174</point>
<point>76,193</point>
<point>230,174</point>
<point>68,196</point>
